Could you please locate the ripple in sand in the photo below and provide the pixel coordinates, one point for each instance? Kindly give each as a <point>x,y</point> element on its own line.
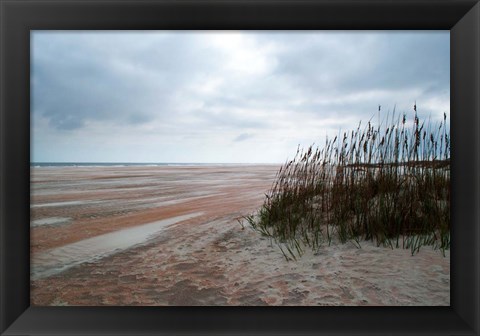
<point>51,221</point>
<point>59,204</point>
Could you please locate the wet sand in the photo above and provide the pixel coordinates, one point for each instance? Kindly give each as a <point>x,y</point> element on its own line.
<point>171,236</point>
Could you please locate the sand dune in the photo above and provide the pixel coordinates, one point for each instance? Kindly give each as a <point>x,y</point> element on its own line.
<point>171,236</point>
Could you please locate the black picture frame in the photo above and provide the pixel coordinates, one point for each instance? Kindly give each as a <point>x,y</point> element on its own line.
<point>18,17</point>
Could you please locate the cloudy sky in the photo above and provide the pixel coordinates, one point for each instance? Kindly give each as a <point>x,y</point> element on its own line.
<point>223,97</point>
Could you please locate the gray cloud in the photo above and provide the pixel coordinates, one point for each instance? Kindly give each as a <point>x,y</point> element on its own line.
<point>109,76</point>
<point>366,60</point>
<point>243,137</point>
<point>190,90</point>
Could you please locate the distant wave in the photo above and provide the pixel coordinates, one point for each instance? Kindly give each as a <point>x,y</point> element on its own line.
<point>99,164</point>
<point>133,164</point>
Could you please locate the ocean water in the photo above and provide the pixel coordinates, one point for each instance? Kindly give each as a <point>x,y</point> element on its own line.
<point>129,164</point>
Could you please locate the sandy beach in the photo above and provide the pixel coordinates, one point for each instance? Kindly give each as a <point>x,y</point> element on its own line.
<point>164,235</point>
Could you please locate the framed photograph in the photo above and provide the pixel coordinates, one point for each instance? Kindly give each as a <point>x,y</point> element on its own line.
<point>240,167</point>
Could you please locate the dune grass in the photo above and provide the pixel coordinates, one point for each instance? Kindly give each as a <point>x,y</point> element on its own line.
<point>389,184</point>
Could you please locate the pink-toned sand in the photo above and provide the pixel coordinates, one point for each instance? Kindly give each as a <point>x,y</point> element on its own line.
<point>171,236</point>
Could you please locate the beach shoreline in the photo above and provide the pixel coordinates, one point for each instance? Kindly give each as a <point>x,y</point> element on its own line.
<point>203,255</point>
